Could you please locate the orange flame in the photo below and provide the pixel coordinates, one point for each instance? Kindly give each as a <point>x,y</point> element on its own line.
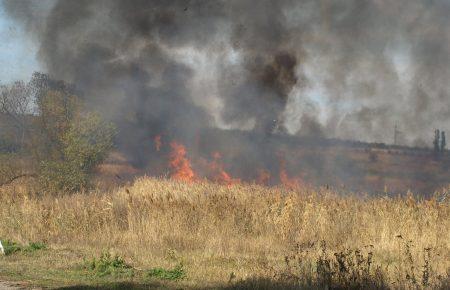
<point>289,182</point>
<point>263,177</point>
<point>219,174</point>
<point>179,164</point>
<point>158,142</point>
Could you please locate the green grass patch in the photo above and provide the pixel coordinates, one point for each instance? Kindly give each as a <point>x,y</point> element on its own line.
<point>32,247</point>
<point>174,274</point>
<point>11,247</point>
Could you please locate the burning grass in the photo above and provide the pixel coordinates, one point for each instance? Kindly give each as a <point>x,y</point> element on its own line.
<point>246,235</point>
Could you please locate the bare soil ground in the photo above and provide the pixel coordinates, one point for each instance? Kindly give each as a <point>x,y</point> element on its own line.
<point>15,286</point>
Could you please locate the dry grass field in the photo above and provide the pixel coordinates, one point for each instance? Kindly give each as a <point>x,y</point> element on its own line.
<point>238,236</point>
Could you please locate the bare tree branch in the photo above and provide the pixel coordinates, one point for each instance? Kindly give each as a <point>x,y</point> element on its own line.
<point>11,180</point>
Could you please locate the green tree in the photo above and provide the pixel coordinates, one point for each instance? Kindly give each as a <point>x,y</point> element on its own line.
<point>56,113</point>
<point>64,140</point>
<point>84,145</point>
<point>73,143</point>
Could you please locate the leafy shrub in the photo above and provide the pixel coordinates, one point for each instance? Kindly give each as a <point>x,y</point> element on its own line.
<point>35,247</point>
<point>61,177</point>
<point>174,274</point>
<point>108,265</point>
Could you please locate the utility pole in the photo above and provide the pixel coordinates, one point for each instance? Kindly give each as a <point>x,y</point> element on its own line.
<point>436,141</point>
<point>396,134</point>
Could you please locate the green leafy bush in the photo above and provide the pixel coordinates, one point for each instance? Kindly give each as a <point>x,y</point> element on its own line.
<point>108,265</point>
<point>174,274</point>
<point>62,177</point>
<point>35,247</point>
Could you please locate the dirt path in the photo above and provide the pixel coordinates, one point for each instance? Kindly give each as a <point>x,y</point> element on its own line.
<point>14,286</point>
<point>8,286</point>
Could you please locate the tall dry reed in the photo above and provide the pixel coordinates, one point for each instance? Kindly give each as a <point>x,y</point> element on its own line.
<point>249,230</point>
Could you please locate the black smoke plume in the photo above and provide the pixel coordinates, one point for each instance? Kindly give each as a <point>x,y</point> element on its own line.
<point>377,62</point>
<point>340,68</point>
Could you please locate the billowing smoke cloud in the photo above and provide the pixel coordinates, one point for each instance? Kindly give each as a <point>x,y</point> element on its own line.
<point>341,68</point>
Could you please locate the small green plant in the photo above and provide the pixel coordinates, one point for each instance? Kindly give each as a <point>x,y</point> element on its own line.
<point>11,247</point>
<point>108,265</point>
<point>32,247</point>
<point>174,274</point>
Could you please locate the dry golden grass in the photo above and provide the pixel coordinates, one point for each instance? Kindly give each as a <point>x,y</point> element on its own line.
<point>248,230</point>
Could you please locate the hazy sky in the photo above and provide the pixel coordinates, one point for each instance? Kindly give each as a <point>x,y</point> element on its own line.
<point>17,52</point>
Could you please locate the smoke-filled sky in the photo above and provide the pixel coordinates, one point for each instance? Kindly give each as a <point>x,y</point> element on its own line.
<point>339,68</point>
<point>17,53</point>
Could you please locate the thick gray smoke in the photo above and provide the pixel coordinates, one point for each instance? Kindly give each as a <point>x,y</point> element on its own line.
<point>342,68</point>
